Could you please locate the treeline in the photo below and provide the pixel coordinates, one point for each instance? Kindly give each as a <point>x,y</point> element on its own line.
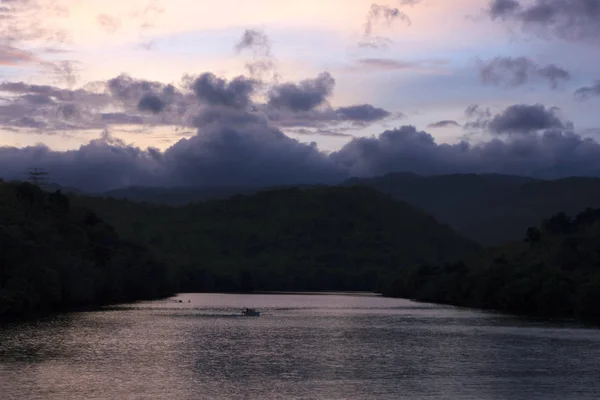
<point>54,255</point>
<point>322,238</point>
<point>554,272</point>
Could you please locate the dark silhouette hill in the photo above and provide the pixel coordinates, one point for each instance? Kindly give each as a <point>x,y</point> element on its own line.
<point>324,238</point>
<point>54,256</point>
<point>553,272</point>
<point>491,209</point>
<point>179,195</point>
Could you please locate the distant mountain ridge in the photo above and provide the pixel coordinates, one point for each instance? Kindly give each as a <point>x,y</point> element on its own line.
<point>489,208</point>
<point>311,238</point>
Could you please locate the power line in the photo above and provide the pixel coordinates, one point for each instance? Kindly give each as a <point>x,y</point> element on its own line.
<point>38,176</point>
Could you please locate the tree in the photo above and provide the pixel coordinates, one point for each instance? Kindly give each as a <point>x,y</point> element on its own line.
<point>533,235</point>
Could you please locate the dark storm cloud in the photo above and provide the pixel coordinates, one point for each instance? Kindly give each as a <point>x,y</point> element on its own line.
<point>444,124</point>
<point>232,147</point>
<point>303,96</point>
<point>565,19</point>
<point>129,100</point>
<point>584,93</point>
<point>38,99</point>
<point>152,103</point>
<point>362,113</point>
<point>503,7</point>
<point>318,132</point>
<point>126,88</point>
<point>550,154</point>
<point>524,119</point>
<point>513,72</point>
<point>214,91</point>
<point>518,119</point>
<point>58,109</point>
<point>247,150</point>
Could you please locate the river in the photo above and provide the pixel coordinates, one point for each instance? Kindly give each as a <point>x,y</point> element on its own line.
<point>335,346</point>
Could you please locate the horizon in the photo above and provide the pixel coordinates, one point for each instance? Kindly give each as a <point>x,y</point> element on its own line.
<point>198,94</point>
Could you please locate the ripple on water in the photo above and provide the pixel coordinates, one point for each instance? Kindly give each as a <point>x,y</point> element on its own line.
<point>302,346</point>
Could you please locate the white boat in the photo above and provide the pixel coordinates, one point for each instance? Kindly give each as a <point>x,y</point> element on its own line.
<point>250,312</point>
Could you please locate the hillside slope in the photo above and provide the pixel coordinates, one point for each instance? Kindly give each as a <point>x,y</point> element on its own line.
<point>53,256</point>
<point>491,209</point>
<point>555,272</point>
<point>287,239</point>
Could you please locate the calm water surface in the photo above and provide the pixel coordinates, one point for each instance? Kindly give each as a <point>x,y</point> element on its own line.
<point>302,347</point>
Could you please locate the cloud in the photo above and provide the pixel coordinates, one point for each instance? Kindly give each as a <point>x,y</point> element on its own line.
<point>550,154</point>
<point>255,41</point>
<point>518,119</point>
<point>127,100</point>
<point>574,20</point>
<point>327,118</point>
<point>152,103</point>
<point>11,56</point>
<point>375,42</point>
<point>513,72</point>
<point>128,89</point>
<point>213,90</point>
<point>65,71</point>
<point>383,14</point>
<point>386,15</point>
<point>262,65</point>
<point>318,132</point>
<point>109,23</point>
<point>235,148</point>
<point>387,64</point>
<point>27,21</point>
<point>239,147</point>
<point>444,124</point>
<point>585,92</point>
<point>362,113</point>
<point>121,118</point>
<point>303,96</point>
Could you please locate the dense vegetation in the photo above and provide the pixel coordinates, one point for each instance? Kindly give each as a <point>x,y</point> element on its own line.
<point>56,251</point>
<point>53,255</point>
<point>555,271</point>
<point>286,239</point>
<point>490,209</point>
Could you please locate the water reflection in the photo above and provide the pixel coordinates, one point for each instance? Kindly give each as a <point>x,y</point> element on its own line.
<point>302,346</point>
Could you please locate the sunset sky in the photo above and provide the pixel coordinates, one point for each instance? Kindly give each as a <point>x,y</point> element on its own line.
<point>476,85</point>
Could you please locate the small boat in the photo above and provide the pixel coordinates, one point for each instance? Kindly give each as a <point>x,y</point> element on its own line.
<point>250,312</point>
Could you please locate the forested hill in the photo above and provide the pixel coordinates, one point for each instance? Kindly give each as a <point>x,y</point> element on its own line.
<point>554,271</point>
<point>53,256</point>
<point>491,209</point>
<point>286,239</point>
<point>178,196</point>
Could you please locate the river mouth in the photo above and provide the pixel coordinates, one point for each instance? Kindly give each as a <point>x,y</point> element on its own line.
<point>303,345</point>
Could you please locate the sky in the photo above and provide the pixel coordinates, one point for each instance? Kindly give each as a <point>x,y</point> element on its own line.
<point>107,93</point>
